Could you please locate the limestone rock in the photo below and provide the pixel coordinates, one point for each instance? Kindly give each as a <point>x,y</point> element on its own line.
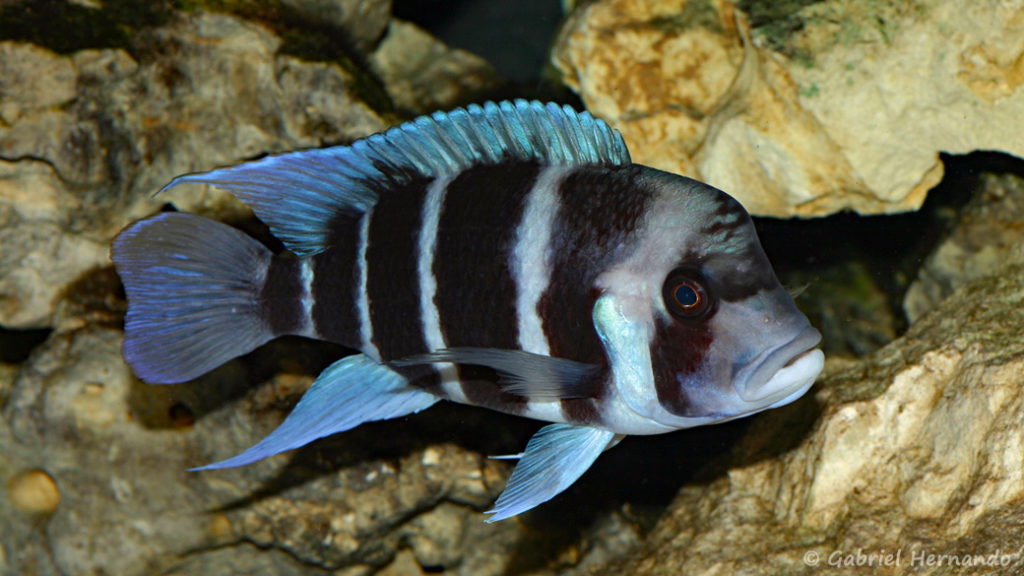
<point>422,74</point>
<point>99,461</point>
<point>363,21</point>
<point>88,138</point>
<point>86,144</point>
<point>849,111</point>
<point>988,232</point>
<point>915,450</point>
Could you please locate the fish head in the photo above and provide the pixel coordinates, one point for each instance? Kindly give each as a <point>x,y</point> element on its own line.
<point>695,324</point>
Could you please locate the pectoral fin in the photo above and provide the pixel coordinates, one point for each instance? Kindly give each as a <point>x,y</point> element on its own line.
<point>349,392</point>
<point>555,457</point>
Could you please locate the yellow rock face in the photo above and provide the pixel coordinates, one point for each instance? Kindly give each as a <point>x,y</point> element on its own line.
<point>849,112</point>
<point>34,492</point>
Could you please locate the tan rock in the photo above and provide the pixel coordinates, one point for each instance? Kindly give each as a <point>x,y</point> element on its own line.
<point>87,139</point>
<point>422,74</point>
<point>915,450</point>
<point>850,112</point>
<point>34,492</point>
<point>987,234</point>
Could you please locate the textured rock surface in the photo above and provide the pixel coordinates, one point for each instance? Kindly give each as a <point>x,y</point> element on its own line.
<point>86,139</point>
<point>424,75</point>
<point>988,231</point>
<point>363,21</point>
<point>118,450</point>
<point>917,449</point>
<point>849,111</point>
<point>84,146</point>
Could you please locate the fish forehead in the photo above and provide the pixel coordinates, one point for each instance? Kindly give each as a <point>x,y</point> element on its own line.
<point>689,223</point>
<point>712,232</point>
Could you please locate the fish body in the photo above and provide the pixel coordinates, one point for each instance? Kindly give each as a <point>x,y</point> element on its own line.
<point>508,256</point>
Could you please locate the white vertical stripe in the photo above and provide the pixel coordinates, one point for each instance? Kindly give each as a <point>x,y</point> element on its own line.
<point>306,298</point>
<point>431,321</point>
<point>363,297</point>
<point>531,259</point>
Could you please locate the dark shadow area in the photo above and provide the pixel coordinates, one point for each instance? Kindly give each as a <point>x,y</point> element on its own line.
<point>851,257</point>
<point>179,405</point>
<point>65,27</point>
<point>17,345</point>
<point>515,37</point>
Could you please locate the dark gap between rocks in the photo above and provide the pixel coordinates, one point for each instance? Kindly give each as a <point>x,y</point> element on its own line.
<point>17,345</point>
<point>858,268</point>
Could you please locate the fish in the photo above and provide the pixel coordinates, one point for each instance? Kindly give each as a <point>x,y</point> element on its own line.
<point>506,255</point>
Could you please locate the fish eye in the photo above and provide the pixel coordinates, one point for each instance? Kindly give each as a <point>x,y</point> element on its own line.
<point>685,296</point>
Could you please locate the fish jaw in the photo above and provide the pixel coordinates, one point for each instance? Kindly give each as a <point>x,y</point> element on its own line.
<point>776,374</point>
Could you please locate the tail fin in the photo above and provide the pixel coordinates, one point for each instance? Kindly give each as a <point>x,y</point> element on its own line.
<point>193,288</point>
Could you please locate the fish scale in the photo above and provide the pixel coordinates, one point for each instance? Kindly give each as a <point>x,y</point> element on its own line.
<point>508,256</point>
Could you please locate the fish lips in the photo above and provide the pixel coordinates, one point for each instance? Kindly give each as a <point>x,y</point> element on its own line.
<point>782,374</point>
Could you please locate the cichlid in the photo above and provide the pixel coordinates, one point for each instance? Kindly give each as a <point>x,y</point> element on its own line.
<point>509,256</point>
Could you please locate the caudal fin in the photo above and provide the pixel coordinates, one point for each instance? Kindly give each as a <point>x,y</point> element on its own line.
<point>193,289</point>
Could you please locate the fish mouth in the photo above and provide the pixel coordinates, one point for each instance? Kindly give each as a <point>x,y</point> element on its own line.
<point>781,375</point>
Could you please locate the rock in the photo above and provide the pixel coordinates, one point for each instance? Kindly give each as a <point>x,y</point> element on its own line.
<point>34,492</point>
<point>87,138</point>
<point>33,80</point>
<point>915,450</point>
<point>840,106</point>
<point>75,420</point>
<point>41,252</point>
<point>363,21</point>
<point>84,146</point>
<point>422,74</point>
<point>989,230</point>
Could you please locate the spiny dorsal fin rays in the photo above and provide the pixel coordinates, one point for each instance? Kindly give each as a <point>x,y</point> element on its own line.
<point>299,194</point>
<point>532,376</point>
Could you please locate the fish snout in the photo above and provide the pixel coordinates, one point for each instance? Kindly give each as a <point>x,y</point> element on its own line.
<point>784,373</point>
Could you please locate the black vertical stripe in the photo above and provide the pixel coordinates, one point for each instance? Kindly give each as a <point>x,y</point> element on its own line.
<point>677,352</point>
<point>334,287</point>
<point>600,211</point>
<point>392,279</point>
<point>280,298</point>
<point>476,289</point>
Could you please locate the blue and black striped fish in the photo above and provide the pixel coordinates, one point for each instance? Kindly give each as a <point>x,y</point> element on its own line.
<point>508,256</point>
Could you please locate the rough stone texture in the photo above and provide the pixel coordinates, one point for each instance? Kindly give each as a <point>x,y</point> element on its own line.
<point>423,75</point>
<point>118,450</point>
<point>916,449</point>
<point>363,21</point>
<point>86,139</point>
<point>989,228</point>
<point>847,112</point>
<point>84,146</point>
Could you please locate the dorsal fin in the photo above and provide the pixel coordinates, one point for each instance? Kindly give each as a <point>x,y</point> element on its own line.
<point>298,194</point>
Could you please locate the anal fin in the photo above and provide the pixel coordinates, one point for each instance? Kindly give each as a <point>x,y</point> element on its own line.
<point>554,458</point>
<point>353,390</point>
